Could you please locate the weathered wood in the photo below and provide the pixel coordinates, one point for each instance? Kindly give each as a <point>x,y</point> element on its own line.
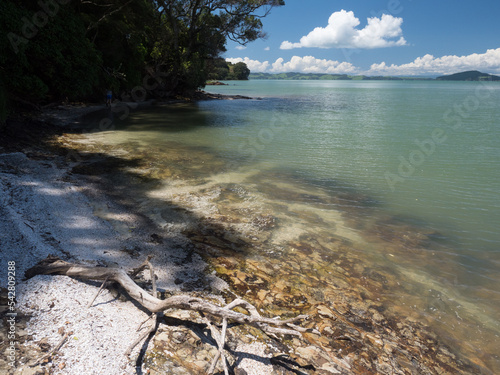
<point>98,292</point>
<point>53,265</point>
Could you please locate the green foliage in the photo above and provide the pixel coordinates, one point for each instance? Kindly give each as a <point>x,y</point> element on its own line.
<point>222,70</point>
<point>80,49</point>
<point>4,110</point>
<point>218,69</point>
<point>123,36</point>
<point>239,71</point>
<point>14,62</point>
<point>46,57</point>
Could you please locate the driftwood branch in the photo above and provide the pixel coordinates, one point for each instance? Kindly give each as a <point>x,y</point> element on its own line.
<point>53,351</point>
<point>145,334</point>
<point>98,292</point>
<point>55,266</point>
<point>154,316</point>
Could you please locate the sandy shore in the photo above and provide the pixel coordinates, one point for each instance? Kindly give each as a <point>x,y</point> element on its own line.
<point>45,209</point>
<point>63,195</point>
<point>43,213</point>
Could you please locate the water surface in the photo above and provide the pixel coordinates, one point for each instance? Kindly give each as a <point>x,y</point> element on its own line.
<point>407,172</point>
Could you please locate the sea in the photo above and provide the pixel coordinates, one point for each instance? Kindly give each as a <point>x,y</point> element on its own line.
<point>407,171</point>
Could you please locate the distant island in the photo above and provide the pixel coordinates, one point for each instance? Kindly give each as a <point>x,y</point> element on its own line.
<point>473,75</point>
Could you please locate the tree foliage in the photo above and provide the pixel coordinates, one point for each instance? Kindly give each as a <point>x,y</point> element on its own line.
<point>221,70</point>
<point>57,49</point>
<point>46,57</point>
<point>218,69</point>
<point>239,71</point>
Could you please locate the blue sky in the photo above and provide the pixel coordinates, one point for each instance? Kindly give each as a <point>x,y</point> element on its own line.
<point>402,37</point>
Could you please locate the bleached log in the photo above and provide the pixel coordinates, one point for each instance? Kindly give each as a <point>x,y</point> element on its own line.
<point>53,265</point>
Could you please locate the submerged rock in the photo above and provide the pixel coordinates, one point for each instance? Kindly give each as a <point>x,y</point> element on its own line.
<point>330,261</point>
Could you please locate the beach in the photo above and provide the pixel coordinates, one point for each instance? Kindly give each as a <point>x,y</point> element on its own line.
<point>48,210</point>
<point>45,211</point>
<point>246,188</point>
<point>73,198</point>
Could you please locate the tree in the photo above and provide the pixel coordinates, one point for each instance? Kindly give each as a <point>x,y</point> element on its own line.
<point>79,49</point>
<point>239,71</point>
<point>195,31</point>
<point>123,33</point>
<point>45,57</point>
<point>218,69</point>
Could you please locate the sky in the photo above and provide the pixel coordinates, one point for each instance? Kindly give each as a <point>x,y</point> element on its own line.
<point>376,37</point>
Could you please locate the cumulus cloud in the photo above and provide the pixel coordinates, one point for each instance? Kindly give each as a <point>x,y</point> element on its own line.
<point>241,48</point>
<point>267,48</point>
<point>342,32</point>
<point>310,64</point>
<point>428,64</point>
<point>488,62</point>
<point>306,64</point>
<point>255,66</point>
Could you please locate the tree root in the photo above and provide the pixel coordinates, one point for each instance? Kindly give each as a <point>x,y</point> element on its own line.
<point>272,326</point>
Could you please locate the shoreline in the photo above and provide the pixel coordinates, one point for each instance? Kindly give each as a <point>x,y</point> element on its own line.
<point>42,180</point>
<point>46,209</point>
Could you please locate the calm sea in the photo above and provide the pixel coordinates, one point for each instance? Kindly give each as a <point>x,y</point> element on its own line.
<point>416,162</point>
<point>426,151</point>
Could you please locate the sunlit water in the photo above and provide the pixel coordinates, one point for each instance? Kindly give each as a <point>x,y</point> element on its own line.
<point>422,156</point>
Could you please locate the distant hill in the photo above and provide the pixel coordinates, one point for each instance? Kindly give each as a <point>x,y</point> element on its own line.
<point>298,76</point>
<point>471,75</point>
<point>320,76</point>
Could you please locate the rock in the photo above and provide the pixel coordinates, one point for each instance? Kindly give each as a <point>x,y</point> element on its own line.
<point>325,311</point>
<point>329,368</point>
<point>156,239</point>
<point>308,353</point>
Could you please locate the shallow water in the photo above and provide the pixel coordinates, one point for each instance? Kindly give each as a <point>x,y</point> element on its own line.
<point>398,179</point>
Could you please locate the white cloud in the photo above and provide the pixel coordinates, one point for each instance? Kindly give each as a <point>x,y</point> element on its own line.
<point>342,32</point>
<point>241,48</point>
<point>310,64</point>
<point>428,64</point>
<point>488,62</point>
<point>267,49</point>
<point>306,64</point>
<point>255,66</point>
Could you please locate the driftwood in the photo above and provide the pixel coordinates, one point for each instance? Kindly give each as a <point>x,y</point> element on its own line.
<point>56,266</point>
<point>49,355</point>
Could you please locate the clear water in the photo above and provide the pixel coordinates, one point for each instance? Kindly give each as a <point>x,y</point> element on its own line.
<point>424,155</point>
<point>359,133</point>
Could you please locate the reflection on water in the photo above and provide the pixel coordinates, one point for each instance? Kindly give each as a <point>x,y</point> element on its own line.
<point>315,239</point>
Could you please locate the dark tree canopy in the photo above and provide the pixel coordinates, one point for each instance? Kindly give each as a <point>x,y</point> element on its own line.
<point>221,70</point>
<point>58,49</point>
<point>239,71</point>
<point>218,69</point>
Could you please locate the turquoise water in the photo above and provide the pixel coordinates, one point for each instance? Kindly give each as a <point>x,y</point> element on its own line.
<point>424,155</point>
<point>365,134</point>
<point>428,151</point>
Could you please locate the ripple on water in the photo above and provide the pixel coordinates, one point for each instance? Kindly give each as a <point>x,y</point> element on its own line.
<point>291,246</point>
